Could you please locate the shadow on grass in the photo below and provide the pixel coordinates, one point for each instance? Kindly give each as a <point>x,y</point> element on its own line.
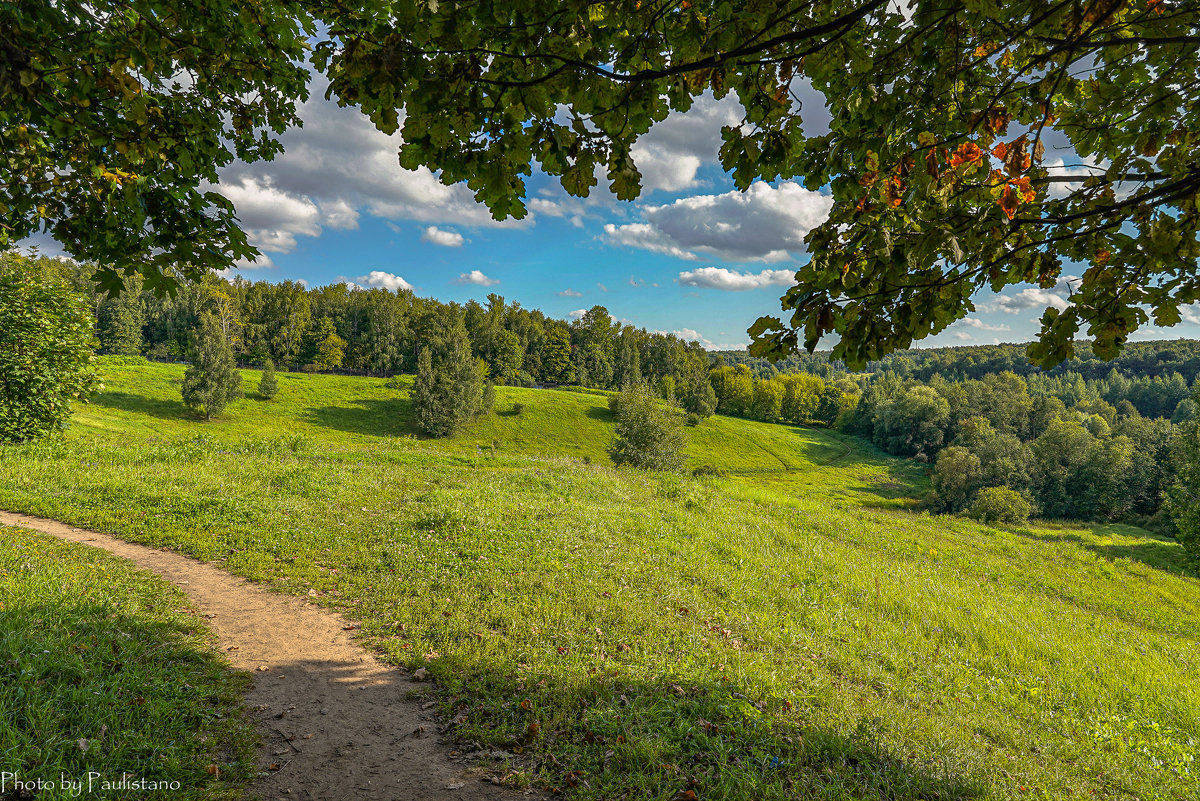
<point>381,418</point>
<point>627,739</point>
<point>1157,551</point>
<point>600,413</point>
<point>127,687</point>
<point>153,407</point>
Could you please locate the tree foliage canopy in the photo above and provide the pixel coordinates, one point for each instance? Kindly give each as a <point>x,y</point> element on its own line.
<point>115,116</point>
<point>973,144</point>
<point>956,127</point>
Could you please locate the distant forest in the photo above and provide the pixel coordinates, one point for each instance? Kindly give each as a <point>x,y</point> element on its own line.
<point>1088,440</point>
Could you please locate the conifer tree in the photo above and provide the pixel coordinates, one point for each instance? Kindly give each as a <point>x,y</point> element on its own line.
<point>268,385</point>
<point>448,392</point>
<point>213,380</point>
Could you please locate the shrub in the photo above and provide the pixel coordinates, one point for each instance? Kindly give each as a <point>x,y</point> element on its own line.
<point>518,409</point>
<point>694,419</point>
<point>614,404</point>
<point>649,432</point>
<point>1000,505</point>
<point>708,470</point>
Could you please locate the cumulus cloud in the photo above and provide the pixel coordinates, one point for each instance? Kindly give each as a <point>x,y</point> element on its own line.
<point>334,168</point>
<point>980,325</point>
<point>262,262</point>
<point>439,236</point>
<point>575,315</point>
<point>382,280</point>
<point>476,277</point>
<point>1034,298</point>
<point>764,223</point>
<point>670,155</point>
<point>570,293</point>
<point>734,281</point>
<point>1190,314</point>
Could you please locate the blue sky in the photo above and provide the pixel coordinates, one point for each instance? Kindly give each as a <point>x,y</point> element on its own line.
<point>692,256</point>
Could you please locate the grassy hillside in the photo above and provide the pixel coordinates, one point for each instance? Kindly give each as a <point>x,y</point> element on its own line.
<point>788,632</point>
<point>102,671</point>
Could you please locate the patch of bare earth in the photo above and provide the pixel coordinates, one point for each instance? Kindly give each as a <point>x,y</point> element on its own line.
<point>336,722</point>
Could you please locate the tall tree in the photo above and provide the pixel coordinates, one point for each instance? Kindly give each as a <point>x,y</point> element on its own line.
<point>120,321</point>
<point>213,379</point>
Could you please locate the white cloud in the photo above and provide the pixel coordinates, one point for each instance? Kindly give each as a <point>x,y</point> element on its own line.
<point>1034,298</point>
<point>1031,298</point>
<point>980,325</point>
<point>734,281</point>
<point>575,315</point>
<point>340,215</point>
<point>764,223</point>
<point>570,293</point>
<point>670,155</point>
<point>476,277</point>
<point>601,287</point>
<point>335,167</point>
<point>646,237</point>
<point>271,217</point>
<point>1190,314</point>
<point>439,236</point>
<point>382,280</point>
<point>262,262</point>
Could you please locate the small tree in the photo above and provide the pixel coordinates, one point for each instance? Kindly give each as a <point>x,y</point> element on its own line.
<point>45,349</point>
<point>1000,505</point>
<point>213,380</point>
<point>448,391</point>
<point>268,385</point>
<point>697,394</point>
<point>649,432</point>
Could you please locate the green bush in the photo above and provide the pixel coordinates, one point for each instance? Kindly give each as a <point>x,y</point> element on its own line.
<point>649,432</point>
<point>1000,505</point>
<point>518,409</point>
<point>45,349</point>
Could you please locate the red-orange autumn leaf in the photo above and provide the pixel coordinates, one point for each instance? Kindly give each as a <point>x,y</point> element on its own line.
<point>1008,202</point>
<point>966,153</point>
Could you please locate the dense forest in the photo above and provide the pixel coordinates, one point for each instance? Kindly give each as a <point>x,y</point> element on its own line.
<point>1088,440</point>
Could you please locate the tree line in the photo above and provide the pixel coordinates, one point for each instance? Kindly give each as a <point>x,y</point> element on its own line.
<point>1060,443</point>
<point>383,332</point>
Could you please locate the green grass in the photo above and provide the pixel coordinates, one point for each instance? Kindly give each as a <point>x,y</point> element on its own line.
<point>105,673</point>
<point>791,631</point>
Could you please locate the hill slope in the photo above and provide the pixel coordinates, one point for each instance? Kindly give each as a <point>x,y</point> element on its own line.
<point>785,632</point>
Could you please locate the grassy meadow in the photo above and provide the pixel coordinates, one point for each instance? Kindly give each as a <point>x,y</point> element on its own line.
<point>794,629</point>
<point>104,671</point>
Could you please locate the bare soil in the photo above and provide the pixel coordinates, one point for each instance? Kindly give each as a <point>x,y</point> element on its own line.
<point>336,723</point>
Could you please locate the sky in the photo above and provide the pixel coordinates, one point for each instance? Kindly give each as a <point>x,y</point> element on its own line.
<point>692,256</point>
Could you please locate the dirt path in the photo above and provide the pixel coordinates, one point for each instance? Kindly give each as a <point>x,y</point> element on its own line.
<point>339,723</point>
